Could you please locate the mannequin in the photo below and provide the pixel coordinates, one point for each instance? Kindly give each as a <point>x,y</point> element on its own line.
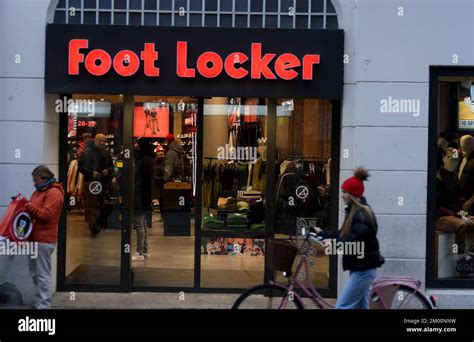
<point>262,152</point>
<point>466,174</point>
<point>448,205</point>
<point>445,139</point>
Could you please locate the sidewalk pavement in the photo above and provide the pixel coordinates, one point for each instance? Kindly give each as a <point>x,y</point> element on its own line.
<point>148,300</point>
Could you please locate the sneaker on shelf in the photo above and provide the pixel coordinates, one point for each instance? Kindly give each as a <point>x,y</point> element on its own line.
<point>146,255</point>
<point>138,257</point>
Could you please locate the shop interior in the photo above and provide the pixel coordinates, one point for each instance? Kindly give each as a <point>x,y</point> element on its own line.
<point>454,221</point>
<point>232,188</point>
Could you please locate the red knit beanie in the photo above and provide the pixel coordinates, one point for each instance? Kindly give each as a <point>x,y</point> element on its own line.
<point>355,184</point>
<point>169,138</point>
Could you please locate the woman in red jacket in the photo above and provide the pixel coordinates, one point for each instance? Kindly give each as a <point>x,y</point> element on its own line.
<point>45,208</point>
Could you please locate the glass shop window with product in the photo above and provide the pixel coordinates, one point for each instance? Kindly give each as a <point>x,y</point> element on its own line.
<point>233,192</point>
<point>234,188</point>
<point>303,176</point>
<point>454,216</point>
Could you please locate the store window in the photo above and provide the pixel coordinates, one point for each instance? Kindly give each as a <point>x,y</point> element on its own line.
<point>163,187</point>
<point>233,192</point>
<point>303,186</point>
<point>165,156</point>
<point>451,181</point>
<point>234,186</point>
<point>94,188</point>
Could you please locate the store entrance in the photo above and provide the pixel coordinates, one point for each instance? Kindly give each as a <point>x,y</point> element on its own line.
<point>181,193</point>
<point>164,186</point>
<point>130,166</point>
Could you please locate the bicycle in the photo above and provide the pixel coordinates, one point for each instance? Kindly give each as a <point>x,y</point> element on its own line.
<point>386,292</point>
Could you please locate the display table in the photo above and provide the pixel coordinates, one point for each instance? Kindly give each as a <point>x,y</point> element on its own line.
<point>177,186</point>
<point>176,208</point>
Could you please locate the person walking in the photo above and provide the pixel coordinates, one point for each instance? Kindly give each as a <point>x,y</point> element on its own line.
<point>143,195</point>
<point>45,208</point>
<point>96,165</point>
<point>360,227</point>
<point>174,165</point>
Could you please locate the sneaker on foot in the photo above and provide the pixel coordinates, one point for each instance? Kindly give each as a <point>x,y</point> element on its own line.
<point>138,257</point>
<point>146,255</point>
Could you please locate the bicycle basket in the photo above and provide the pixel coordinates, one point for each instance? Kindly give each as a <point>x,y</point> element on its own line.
<point>280,255</point>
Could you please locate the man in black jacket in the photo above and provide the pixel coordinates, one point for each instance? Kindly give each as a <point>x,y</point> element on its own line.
<point>174,160</point>
<point>96,165</point>
<point>143,195</point>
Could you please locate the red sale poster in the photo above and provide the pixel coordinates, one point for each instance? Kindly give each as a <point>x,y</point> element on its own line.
<point>151,120</point>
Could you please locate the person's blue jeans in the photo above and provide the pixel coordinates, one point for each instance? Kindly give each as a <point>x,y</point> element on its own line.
<point>356,293</point>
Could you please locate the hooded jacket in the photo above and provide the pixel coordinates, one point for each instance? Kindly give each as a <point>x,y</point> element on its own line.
<point>45,208</point>
<point>173,161</point>
<point>361,231</point>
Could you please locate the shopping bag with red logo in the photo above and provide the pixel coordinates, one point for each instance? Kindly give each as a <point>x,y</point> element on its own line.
<point>17,224</point>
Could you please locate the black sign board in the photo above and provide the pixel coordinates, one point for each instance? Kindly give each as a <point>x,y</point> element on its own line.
<point>141,60</point>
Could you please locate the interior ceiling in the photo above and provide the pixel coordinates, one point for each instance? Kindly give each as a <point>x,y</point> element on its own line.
<point>119,98</point>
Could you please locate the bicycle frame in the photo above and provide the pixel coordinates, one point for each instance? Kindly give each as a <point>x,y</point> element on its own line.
<point>308,288</point>
<point>385,288</point>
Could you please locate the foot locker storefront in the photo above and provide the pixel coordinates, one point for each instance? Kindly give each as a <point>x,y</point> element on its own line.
<point>184,149</point>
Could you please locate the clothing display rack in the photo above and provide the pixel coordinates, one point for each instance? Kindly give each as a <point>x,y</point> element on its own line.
<point>309,174</point>
<point>222,180</point>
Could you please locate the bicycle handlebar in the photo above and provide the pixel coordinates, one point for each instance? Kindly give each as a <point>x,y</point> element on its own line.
<point>310,235</point>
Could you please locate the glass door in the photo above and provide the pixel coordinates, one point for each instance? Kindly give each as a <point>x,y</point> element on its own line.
<point>92,152</point>
<point>164,189</point>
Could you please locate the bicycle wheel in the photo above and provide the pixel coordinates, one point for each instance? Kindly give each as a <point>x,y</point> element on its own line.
<point>266,297</point>
<point>406,299</point>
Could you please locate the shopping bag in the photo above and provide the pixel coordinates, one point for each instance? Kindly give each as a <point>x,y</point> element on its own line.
<point>16,224</point>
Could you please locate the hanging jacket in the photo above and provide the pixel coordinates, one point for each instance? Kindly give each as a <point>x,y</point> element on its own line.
<point>361,231</point>
<point>45,208</point>
<point>296,197</point>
